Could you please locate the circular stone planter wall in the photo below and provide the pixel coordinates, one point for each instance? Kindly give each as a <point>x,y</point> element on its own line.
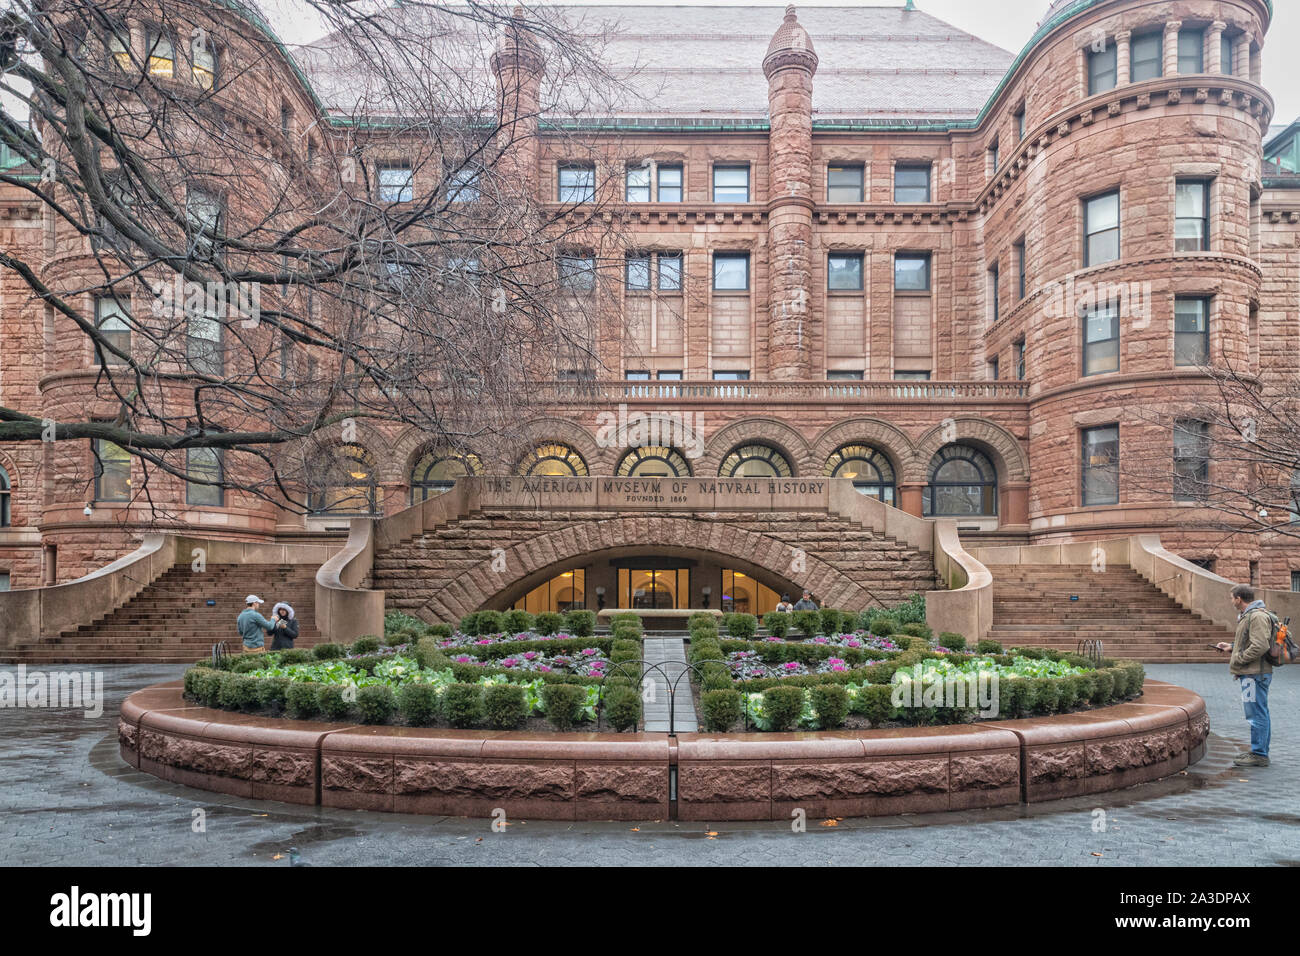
<point>589,776</point>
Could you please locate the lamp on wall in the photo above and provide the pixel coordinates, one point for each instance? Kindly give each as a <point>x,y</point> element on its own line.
<point>706,591</point>
<point>600,598</point>
<point>87,511</point>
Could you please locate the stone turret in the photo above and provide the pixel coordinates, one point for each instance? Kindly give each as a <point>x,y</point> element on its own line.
<point>518,63</point>
<point>789,67</point>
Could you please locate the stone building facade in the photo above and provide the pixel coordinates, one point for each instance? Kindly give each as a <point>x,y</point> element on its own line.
<point>860,244</point>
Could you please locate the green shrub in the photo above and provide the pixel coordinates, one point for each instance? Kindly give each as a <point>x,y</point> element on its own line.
<point>469,624</point>
<point>918,630</point>
<point>365,645</point>
<point>295,655</point>
<point>548,622</point>
<point>580,623</point>
<point>742,626</point>
<point>376,704</point>
<point>440,631</point>
<point>300,700</point>
<point>1015,699</point>
<point>701,617</point>
<point>715,677</point>
<point>207,687</point>
<point>517,621</point>
<point>398,638</point>
<point>721,709</point>
<point>828,621</point>
<point>882,625</point>
<point>807,622</point>
<point>1103,688</point>
<point>562,702</point>
<point>831,701</point>
<point>271,692</point>
<point>248,662</point>
<point>987,646</point>
<point>328,652</point>
<point>875,702</point>
<point>505,706</point>
<point>190,681</point>
<point>330,702</point>
<point>490,622</point>
<point>237,692</point>
<point>783,705</point>
<point>1067,693</point>
<point>954,642</point>
<point>626,631</point>
<point>622,707</point>
<point>625,617</point>
<point>911,611</point>
<point>462,704</point>
<point>777,623</point>
<point>1047,695</point>
<point>702,631</point>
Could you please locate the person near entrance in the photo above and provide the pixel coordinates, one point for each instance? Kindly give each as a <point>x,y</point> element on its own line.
<point>806,603</point>
<point>1250,665</point>
<point>784,606</point>
<point>252,626</point>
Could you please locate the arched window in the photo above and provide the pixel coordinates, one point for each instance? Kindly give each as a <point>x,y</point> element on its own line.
<point>4,498</point>
<point>963,482</point>
<point>436,472</point>
<point>755,461</point>
<point>653,461</point>
<point>553,460</point>
<point>870,469</point>
<point>342,481</point>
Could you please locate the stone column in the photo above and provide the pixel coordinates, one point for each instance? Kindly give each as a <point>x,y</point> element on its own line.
<point>910,498</point>
<point>1171,47</point>
<point>1214,40</point>
<point>518,63</point>
<point>789,67</point>
<point>1123,54</point>
<point>1256,65</point>
<point>1241,57</point>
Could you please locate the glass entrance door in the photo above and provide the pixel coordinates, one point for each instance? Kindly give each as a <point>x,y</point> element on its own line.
<point>654,589</point>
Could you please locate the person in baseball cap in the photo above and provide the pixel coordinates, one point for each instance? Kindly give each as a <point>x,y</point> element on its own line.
<point>252,626</point>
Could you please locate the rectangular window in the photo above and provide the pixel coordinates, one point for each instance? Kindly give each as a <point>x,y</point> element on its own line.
<point>1103,69</point>
<point>1020,125</point>
<point>638,273</point>
<point>463,185</point>
<point>1147,57</point>
<point>640,375</point>
<point>4,581</point>
<point>844,271</point>
<point>731,184</point>
<point>577,272</point>
<point>638,183</point>
<point>162,56</point>
<point>1295,580</point>
<point>119,48</point>
<point>993,156</point>
<point>203,213</point>
<point>286,121</point>
<point>203,62</point>
<point>1019,252</point>
<point>670,184</point>
<point>994,294</point>
<point>731,271</point>
<point>670,271</point>
<point>1191,215</point>
<point>1191,51</point>
<point>1101,339</point>
<point>912,183</point>
<point>114,325</point>
<point>912,272</point>
<point>396,182</point>
<point>1225,53</point>
<point>577,183</point>
<point>731,376</point>
<point>1191,331</point>
<point>1100,483</point>
<point>1191,460</point>
<point>844,375</point>
<point>844,184</point>
<point>204,465</point>
<point>1101,229</point>
<point>1019,348</point>
<point>911,376</point>
<point>674,375</point>
<point>203,343</point>
<point>994,368</point>
<point>112,471</point>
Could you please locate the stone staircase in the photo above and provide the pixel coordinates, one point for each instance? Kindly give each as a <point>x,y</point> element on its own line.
<point>1133,618</point>
<point>170,620</point>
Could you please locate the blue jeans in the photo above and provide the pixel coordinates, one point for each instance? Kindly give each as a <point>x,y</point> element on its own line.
<point>1254,701</point>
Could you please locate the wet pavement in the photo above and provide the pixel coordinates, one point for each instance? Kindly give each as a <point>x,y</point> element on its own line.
<point>68,798</point>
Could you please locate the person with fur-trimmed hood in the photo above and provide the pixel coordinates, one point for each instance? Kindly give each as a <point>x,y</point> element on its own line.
<point>285,629</point>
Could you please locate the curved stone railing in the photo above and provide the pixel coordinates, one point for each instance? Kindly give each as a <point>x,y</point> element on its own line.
<point>966,608</point>
<point>345,609</point>
<point>48,611</point>
<point>607,776</point>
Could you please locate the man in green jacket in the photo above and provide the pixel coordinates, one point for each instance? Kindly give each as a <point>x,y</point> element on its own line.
<point>252,626</point>
<point>1250,665</point>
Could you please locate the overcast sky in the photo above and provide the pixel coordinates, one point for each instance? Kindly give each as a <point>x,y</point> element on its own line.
<point>1008,23</point>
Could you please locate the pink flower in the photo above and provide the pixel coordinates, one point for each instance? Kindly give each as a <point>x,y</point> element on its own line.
<point>543,667</point>
<point>792,665</point>
<point>588,651</point>
<point>509,662</point>
<point>838,667</point>
<point>529,655</point>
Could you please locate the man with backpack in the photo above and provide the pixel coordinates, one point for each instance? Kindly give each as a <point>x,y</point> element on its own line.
<point>1251,666</point>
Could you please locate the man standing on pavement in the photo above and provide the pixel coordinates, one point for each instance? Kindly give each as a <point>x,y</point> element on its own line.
<point>1250,665</point>
<point>252,626</point>
<point>806,603</point>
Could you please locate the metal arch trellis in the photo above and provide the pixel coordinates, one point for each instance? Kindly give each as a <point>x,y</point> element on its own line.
<point>645,667</point>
